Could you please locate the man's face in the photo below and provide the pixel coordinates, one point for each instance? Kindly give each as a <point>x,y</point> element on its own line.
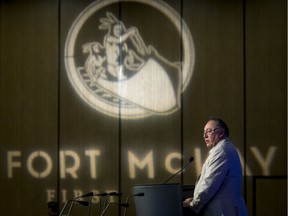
<point>212,134</point>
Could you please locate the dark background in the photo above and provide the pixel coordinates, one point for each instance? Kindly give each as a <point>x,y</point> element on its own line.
<point>240,75</point>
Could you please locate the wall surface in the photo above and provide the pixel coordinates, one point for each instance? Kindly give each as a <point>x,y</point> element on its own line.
<point>71,122</point>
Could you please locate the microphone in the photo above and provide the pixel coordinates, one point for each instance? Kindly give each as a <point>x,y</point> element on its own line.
<point>132,195</point>
<point>125,205</point>
<point>111,194</point>
<point>100,202</point>
<point>90,194</point>
<point>84,203</point>
<point>190,160</point>
<point>100,195</point>
<point>114,194</point>
<point>106,198</point>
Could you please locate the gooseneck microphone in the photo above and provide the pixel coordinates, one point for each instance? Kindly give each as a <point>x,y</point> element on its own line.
<point>90,194</point>
<point>106,198</point>
<point>128,197</point>
<point>190,160</point>
<point>84,203</point>
<point>90,199</point>
<point>100,202</point>
<point>111,194</point>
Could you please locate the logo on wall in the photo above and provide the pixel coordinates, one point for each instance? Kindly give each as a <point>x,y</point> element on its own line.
<point>130,58</point>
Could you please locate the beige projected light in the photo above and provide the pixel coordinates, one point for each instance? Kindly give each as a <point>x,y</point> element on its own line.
<point>117,73</point>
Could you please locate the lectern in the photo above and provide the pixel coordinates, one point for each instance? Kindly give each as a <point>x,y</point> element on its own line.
<point>159,199</point>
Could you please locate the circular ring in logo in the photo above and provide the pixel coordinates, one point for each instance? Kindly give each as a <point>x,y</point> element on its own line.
<point>126,67</point>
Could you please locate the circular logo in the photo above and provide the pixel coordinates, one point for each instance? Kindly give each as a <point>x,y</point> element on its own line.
<point>130,58</point>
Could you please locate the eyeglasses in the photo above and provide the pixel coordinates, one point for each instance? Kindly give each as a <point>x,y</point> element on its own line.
<point>209,131</point>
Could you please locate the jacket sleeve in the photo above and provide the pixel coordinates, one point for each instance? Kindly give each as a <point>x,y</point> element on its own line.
<point>211,179</point>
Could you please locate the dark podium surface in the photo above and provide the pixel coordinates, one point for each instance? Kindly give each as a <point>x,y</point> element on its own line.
<point>162,199</point>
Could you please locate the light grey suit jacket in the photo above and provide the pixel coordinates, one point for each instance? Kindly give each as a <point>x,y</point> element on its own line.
<point>218,190</point>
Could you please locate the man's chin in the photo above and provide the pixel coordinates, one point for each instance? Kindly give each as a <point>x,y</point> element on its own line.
<point>208,145</point>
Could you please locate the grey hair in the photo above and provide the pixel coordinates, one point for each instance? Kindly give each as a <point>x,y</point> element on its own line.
<point>220,123</point>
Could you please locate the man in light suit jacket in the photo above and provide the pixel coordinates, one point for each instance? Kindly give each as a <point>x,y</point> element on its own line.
<point>218,189</point>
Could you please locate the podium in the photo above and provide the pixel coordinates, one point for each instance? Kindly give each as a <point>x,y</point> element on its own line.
<point>159,199</point>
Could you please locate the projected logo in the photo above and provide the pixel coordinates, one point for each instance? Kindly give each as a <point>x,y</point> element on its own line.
<point>130,58</point>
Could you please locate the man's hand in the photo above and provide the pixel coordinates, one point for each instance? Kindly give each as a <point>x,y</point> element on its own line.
<point>186,202</point>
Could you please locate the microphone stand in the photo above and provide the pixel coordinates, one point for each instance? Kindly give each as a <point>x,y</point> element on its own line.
<point>64,207</point>
<point>190,160</point>
<point>128,197</point>
<point>90,199</point>
<point>106,198</point>
<point>85,203</point>
<point>111,194</point>
<point>112,203</point>
<point>100,202</point>
<point>89,206</point>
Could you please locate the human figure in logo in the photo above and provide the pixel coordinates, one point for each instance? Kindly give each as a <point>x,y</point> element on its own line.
<point>115,58</point>
<point>123,60</point>
<point>115,46</point>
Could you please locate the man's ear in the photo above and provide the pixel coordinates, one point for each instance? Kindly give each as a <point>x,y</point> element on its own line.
<point>222,133</point>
